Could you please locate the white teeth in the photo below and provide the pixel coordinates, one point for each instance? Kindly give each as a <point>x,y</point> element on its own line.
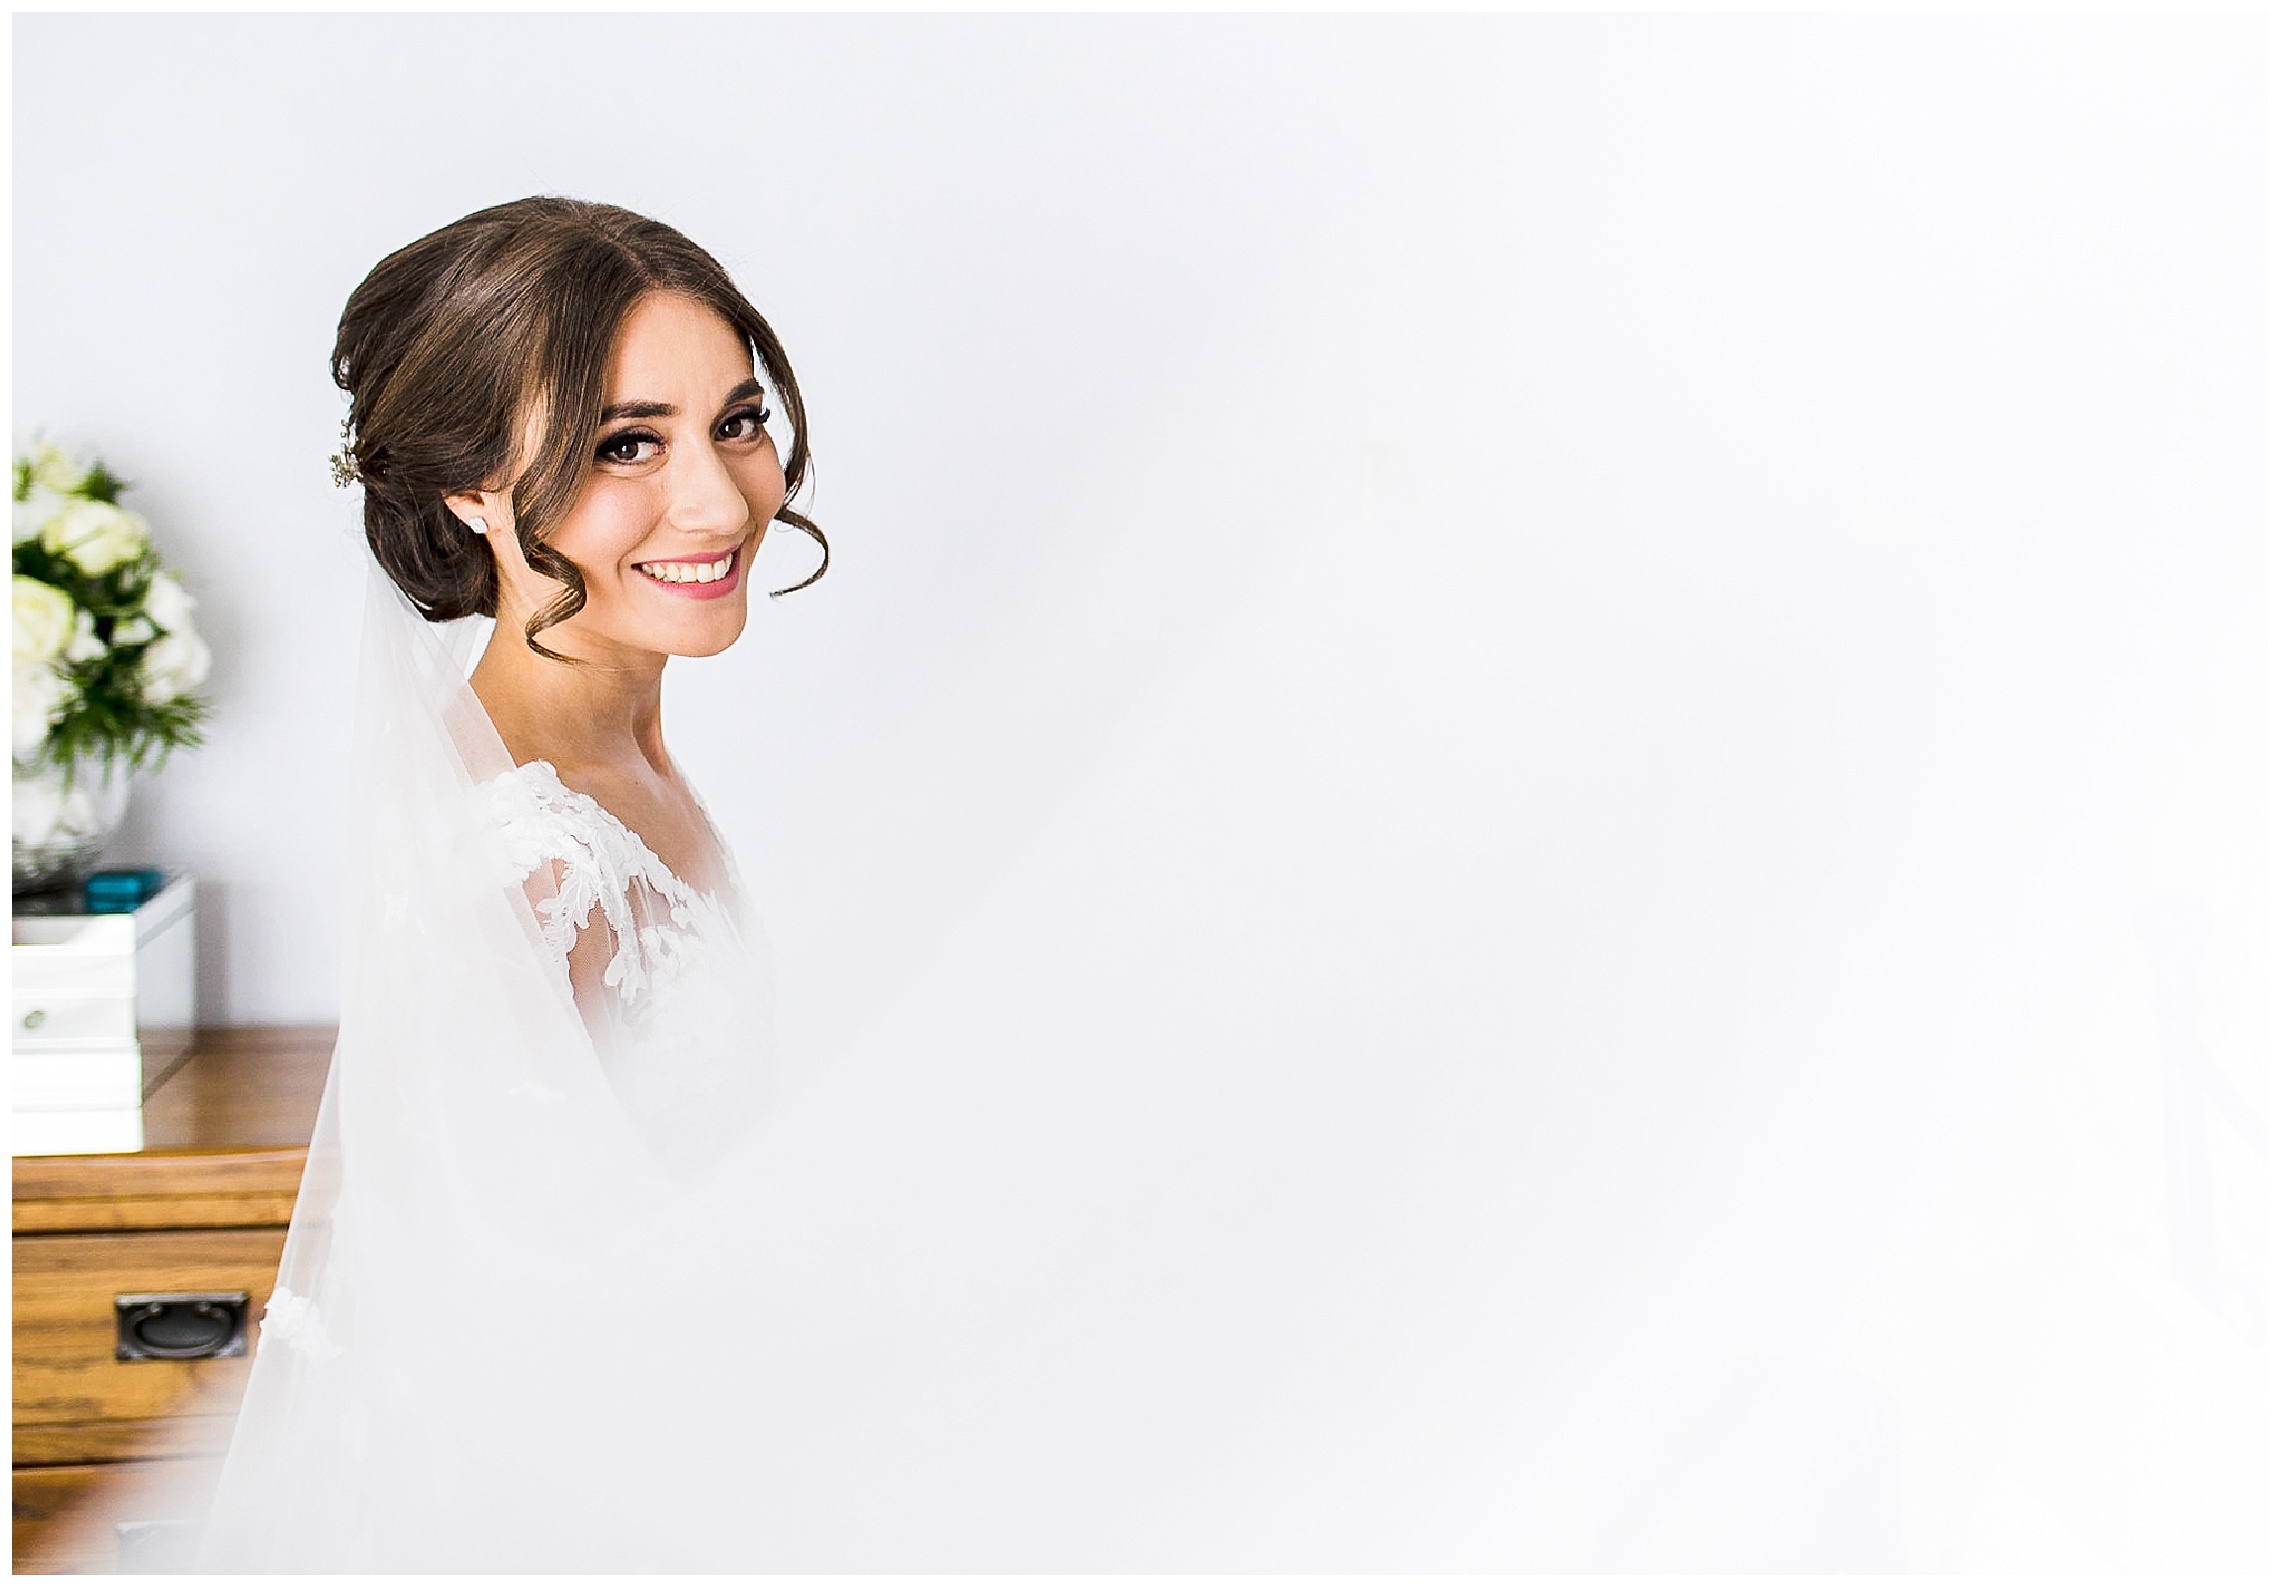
<point>688,572</point>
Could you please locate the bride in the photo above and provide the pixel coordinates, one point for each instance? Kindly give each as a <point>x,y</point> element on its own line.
<point>486,1348</point>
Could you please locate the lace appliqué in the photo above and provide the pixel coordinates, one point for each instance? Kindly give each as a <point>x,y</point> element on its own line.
<point>604,863</point>
<point>685,1041</point>
<point>293,1320</point>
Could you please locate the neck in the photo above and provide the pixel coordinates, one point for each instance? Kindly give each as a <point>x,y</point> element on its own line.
<point>600,708</point>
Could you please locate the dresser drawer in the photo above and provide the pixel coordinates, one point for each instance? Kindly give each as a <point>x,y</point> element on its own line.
<point>48,1019</point>
<point>67,1517</point>
<point>87,1075</point>
<point>67,1322</point>
<point>100,964</point>
<point>200,1209</point>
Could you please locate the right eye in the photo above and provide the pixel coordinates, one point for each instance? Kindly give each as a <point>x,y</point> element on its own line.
<point>625,447</point>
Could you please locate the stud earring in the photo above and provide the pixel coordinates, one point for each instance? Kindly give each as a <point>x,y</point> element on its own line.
<point>478,526</point>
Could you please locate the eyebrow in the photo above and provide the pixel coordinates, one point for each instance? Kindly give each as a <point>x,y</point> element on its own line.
<point>665,410</point>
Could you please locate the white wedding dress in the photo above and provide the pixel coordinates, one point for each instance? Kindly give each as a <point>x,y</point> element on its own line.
<point>488,1346</point>
<point>1350,1132</point>
<point>681,1016</point>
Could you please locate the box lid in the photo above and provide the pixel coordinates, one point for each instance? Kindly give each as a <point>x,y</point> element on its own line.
<point>59,921</point>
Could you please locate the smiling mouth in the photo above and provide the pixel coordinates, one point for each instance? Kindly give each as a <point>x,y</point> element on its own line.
<point>712,572</point>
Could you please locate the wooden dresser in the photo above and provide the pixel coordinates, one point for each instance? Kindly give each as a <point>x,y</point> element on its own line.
<point>113,1397</point>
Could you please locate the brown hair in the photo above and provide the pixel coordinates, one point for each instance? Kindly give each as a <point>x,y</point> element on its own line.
<point>501,320</point>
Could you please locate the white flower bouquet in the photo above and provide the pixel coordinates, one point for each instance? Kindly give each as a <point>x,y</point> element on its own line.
<point>106,659</point>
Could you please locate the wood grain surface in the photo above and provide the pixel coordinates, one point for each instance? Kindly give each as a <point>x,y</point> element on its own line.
<point>226,1139</point>
<point>251,1085</point>
<point>153,1438</point>
<point>203,1207</point>
<point>67,1329</point>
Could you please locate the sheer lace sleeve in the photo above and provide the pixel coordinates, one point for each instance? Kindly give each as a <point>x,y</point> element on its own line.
<point>672,990</point>
<point>576,860</point>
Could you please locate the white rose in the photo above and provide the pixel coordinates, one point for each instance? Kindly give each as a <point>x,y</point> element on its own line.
<point>38,700</point>
<point>168,604</point>
<point>53,468</point>
<point>42,621</point>
<point>173,666</point>
<point>95,535</point>
<point>84,645</point>
<point>33,512</point>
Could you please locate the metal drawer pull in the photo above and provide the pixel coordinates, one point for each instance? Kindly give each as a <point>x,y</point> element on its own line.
<point>35,1019</point>
<point>181,1327</point>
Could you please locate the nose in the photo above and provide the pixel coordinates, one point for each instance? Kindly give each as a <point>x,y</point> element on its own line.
<point>706,503</point>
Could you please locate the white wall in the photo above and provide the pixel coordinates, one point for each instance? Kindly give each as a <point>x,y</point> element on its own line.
<point>1584,635</point>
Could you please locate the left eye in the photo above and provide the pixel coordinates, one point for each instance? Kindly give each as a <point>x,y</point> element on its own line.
<point>752,417</point>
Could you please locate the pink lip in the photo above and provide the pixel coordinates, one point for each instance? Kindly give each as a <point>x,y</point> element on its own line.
<point>698,592</point>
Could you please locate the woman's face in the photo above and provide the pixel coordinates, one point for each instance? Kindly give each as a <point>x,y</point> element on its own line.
<point>682,480</point>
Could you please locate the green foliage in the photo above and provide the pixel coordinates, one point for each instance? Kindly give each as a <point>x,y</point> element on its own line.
<point>116,594</point>
<point>112,724</point>
<point>101,484</point>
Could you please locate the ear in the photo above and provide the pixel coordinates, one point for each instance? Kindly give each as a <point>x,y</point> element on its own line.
<point>490,506</point>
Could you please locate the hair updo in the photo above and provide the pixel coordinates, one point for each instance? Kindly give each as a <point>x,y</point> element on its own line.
<point>497,329</point>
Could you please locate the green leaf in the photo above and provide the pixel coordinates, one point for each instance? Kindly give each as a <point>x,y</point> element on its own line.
<point>101,484</point>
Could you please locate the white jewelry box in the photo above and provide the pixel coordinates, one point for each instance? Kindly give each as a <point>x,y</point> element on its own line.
<point>104,1008</point>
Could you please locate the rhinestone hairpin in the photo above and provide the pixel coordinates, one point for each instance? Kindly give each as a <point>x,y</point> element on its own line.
<point>344,469</point>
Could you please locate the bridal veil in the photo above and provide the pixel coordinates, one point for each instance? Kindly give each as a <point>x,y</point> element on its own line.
<point>480,1353</point>
<point>1288,1161</point>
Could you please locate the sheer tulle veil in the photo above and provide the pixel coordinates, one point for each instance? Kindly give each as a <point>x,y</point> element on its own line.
<point>1228,1193</point>
<point>1334,1142</point>
<point>466,1353</point>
